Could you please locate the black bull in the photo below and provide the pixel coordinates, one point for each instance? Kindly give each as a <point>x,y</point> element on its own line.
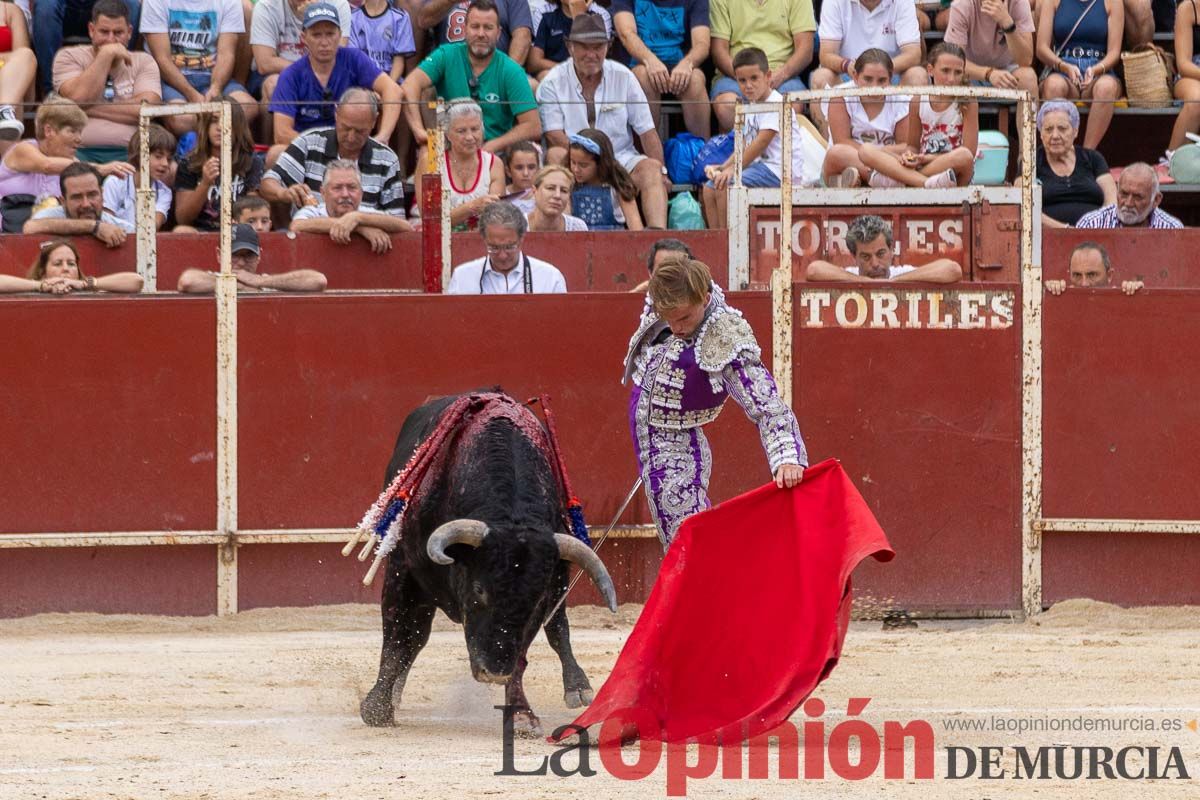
<point>481,542</point>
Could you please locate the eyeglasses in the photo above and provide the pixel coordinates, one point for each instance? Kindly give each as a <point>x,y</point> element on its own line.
<point>503,248</point>
<point>473,87</point>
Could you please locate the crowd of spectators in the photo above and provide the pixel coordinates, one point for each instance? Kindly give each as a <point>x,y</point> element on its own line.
<point>552,106</point>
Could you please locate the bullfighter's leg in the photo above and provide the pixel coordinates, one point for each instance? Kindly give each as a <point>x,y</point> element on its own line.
<point>577,691</point>
<point>406,627</point>
<point>525,722</point>
<point>676,466</point>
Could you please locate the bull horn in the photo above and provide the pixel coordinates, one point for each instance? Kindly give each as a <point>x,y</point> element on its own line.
<point>578,553</point>
<point>457,531</point>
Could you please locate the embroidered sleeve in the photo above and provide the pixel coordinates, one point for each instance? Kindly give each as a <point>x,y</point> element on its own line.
<point>749,383</point>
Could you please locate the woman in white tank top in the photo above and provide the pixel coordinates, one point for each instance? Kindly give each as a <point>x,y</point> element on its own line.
<point>942,135</point>
<point>856,121</point>
<point>475,176</point>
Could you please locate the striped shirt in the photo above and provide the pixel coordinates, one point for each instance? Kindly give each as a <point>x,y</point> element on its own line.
<point>1106,217</point>
<point>307,155</point>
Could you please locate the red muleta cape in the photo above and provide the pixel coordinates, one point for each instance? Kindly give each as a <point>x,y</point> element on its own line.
<point>749,611</point>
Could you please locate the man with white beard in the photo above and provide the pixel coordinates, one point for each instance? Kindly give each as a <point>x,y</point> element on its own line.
<point>1137,203</point>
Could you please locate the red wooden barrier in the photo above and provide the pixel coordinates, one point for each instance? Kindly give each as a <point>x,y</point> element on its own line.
<point>600,262</point>
<point>1160,258</point>
<point>1122,441</point>
<point>112,428</point>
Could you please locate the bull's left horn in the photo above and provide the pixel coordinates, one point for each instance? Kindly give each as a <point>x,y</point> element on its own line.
<point>578,553</point>
<point>456,531</point>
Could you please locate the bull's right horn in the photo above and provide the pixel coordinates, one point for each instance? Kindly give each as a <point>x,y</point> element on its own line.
<point>579,554</point>
<point>456,531</point>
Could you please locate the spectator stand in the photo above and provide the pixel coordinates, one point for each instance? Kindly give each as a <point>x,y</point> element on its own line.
<point>742,200</point>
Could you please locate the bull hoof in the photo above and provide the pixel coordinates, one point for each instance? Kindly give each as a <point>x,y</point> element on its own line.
<point>574,698</point>
<point>376,712</point>
<point>527,725</point>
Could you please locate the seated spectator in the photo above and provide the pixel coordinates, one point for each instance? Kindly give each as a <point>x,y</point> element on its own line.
<point>997,37</point>
<point>109,81</point>
<point>849,28</point>
<point>514,25</point>
<point>253,211</point>
<point>505,269</point>
<point>1080,41</point>
<point>605,196</point>
<point>552,197</point>
<point>198,179</point>
<point>869,240</point>
<point>29,170</point>
<point>942,134</point>
<point>298,173</point>
<point>1187,64</point>
<point>521,163</point>
<point>304,97</point>
<point>588,81</point>
<point>655,33</point>
<point>81,212</point>
<point>1091,269</point>
<point>762,158</point>
<point>783,29</point>
<point>245,255</point>
<point>1139,21</point>
<point>855,121</point>
<point>1075,180</point>
<point>18,70</point>
<point>341,213</point>
<point>120,191</point>
<point>57,271</point>
<point>1137,203</point>
<point>476,69</point>
<point>53,20</point>
<point>276,40</point>
<point>551,25</point>
<point>194,43</point>
<point>474,177</point>
<point>663,250</point>
<point>933,15</point>
<point>384,32</point>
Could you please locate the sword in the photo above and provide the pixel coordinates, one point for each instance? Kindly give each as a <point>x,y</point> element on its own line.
<point>624,505</point>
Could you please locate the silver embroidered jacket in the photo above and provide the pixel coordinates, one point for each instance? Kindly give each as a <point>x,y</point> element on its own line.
<point>680,384</point>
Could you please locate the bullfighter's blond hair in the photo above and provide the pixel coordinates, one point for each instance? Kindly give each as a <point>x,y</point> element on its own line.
<point>679,282</point>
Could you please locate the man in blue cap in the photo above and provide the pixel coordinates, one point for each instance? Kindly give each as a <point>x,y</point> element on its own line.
<point>308,90</point>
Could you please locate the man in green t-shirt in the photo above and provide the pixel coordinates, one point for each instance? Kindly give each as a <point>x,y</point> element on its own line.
<point>475,69</point>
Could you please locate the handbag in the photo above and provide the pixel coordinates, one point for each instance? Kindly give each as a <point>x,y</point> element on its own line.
<point>15,211</point>
<point>1148,72</point>
<point>1185,162</point>
<point>681,151</point>
<point>684,213</point>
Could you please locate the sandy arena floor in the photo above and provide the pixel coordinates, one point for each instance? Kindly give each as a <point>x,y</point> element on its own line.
<point>264,705</point>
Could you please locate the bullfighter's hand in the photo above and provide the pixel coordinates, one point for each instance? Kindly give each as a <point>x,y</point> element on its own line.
<point>789,475</point>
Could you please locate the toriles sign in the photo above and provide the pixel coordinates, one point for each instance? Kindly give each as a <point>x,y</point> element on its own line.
<point>941,309</point>
<point>921,234</point>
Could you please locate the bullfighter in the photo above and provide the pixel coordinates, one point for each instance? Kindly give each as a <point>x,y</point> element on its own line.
<point>690,353</point>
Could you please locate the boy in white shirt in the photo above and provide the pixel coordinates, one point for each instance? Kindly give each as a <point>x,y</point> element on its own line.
<point>120,192</point>
<point>763,152</point>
